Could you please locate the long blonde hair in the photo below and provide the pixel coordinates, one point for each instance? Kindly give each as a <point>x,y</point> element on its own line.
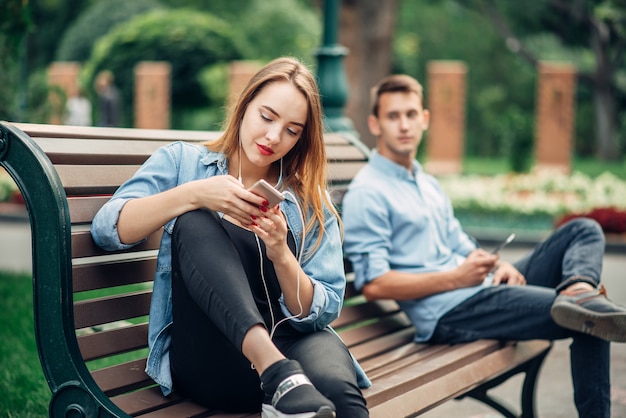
<point>305,165</point>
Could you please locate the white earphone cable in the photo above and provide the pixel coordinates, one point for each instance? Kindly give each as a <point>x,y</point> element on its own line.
<point>300,252</point>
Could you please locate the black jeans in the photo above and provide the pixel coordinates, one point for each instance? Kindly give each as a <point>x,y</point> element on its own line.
<point>214,307</point>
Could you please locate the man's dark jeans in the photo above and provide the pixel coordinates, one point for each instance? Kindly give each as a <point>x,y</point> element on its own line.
<point>523,312</point>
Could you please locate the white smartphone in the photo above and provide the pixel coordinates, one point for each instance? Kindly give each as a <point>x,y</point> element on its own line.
<point>264,189</point>
<point>503,244</point>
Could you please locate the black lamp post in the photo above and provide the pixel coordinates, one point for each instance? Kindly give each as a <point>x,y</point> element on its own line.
<point>332,80</point>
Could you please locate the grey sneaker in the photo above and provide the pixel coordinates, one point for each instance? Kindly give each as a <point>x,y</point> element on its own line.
<point>591,313</point>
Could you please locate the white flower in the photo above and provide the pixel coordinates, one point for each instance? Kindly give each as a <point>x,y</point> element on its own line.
<point>536,193</point>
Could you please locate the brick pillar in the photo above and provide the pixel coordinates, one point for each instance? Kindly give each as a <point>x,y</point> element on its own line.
<point>152,95</point>
<point>239,73</point>
<point>65,76</point>
<point>446,103</point>
<point>555,116</point>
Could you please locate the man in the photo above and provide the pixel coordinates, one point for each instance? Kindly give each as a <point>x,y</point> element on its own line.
<point>405,244</point>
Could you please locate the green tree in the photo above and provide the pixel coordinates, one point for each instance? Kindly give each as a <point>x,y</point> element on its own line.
<point>591,28</point>
<point>15,24</point>
<point>97,21</point>
<point>189,40</point>
<point>497,83</point>
<point>280,27</point>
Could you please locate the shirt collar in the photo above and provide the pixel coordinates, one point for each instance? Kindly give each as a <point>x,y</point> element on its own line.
<point>393,169</point>
<point>216,158</point>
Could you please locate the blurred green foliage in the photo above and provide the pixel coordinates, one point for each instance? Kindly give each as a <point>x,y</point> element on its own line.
<point>189,40</point>
<point>498,82</point>
<point>501,85</point>
<point>280,27</point>
<point>95,22</point>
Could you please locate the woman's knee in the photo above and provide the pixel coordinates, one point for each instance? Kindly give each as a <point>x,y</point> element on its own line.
<point>193,221</point>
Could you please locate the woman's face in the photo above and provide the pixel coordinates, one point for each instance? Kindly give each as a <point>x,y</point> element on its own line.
<point>272,123</point>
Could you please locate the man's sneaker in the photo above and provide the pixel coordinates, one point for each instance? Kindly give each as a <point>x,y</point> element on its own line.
<point>590,312</point>
<point>290,394</point>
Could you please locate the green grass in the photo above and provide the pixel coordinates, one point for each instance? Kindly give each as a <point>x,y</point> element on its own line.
<point>24,392</point>
<point>23,388</point>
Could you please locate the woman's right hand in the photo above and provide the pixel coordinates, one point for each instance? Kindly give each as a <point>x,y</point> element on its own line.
<point>227,195</point>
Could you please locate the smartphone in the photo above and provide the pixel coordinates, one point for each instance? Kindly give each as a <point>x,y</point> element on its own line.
<point>264,189</point>
<point>503,244</point>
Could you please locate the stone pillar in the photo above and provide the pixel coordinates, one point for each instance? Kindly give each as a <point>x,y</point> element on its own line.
<point>152,95</point>
<point>65,76</point>
<point>446,103</point>
<point>239,73</point>
<point>554,127</point>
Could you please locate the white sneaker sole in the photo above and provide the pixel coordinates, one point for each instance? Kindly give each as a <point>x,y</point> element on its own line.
<point>268,411</point>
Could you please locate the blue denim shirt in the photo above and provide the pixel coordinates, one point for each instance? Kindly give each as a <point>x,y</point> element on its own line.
<point>179,163</point>
<point>400,220</point>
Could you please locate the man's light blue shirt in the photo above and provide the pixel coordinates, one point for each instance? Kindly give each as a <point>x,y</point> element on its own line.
<point>396,219</point>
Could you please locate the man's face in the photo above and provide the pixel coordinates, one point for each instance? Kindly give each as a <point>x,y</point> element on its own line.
<point>399,126</point>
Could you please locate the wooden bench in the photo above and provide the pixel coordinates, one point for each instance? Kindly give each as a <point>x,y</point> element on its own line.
<point>91,307</point>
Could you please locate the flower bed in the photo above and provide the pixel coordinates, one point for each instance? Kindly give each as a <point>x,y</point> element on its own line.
<point>537,201</point>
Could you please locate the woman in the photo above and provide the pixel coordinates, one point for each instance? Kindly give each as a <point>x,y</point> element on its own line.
<point>244,293</point>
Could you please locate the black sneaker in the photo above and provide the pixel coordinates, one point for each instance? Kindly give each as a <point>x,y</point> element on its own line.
<point>592,313</point>
<point>290,394</point>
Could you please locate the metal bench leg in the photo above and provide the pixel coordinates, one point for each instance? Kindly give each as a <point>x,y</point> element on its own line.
<point>527,398</point>
<point>529,386</point>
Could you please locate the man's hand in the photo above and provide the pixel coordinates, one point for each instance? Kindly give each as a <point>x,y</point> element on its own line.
<point>507,273</point>
<point>478,264</point>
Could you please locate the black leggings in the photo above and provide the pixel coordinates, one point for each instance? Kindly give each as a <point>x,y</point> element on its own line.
<point>214,307</point>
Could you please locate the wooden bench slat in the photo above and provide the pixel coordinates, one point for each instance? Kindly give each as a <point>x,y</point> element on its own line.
<point>427,392</point>
<point>339,153</point>
<point>343,171</point>
<point>83,245</point>
<point>151,403</point>
<point>362,312</point>
<point>70,151</point>
<point>192,410</point>
<point>84,208</point>
<point>373,330</point>
<point>93,179</point>
<point>105,343</point>
<point>149,399</point>
<point>104,310</point>
<point>384,344</point>
<point>112,274</point>
<point>335,139</point>
<point>413,373</point>
<point>73,151</point>
<point>122,378</point>
<point>124,134</point>
<point>105,179</point>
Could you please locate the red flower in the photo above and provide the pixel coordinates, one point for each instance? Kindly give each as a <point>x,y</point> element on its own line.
<point>611,220</point>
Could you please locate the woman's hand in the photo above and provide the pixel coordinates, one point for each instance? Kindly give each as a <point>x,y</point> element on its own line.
<point>271,227</point>
<point>227,195</point>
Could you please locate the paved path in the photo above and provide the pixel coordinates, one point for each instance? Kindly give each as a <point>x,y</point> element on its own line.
<point>15,247</point>
<point>554,395</point>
